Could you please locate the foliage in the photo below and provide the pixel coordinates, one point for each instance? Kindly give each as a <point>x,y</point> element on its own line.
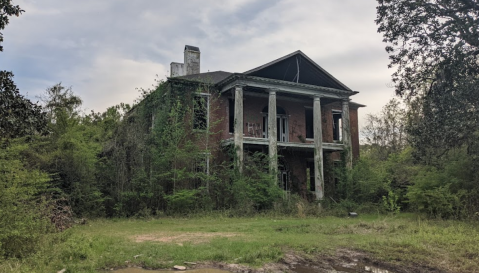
<point>435,47</point>
<point>7,9</point>
<point>385,131</point>
<point>23,211</point>
<point>447,191</point>
<point>59,100</point>
<point>18,115</point>
<point>390,202</point>
<point>182,201</point>
<point>70,153</point>
<point>429,40</point>
<point>255,189</point>
<point>155,156</point>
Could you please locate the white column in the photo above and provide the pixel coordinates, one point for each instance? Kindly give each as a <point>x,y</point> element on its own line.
<point>238,127</point>
<point>347,134</point>
<point>272,134</point>
<point>318,149</point>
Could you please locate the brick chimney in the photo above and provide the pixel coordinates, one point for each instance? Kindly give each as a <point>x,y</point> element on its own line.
<point>191,63</point>
<point>192,60</point>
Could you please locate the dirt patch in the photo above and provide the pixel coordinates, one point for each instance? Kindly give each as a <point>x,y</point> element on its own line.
<point>343,261</point>
<point>188,237</point>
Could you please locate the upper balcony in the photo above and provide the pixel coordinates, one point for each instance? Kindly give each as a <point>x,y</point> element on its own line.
<point>294,121</point>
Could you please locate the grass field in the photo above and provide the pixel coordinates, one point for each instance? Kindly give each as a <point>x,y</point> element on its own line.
<point>451,246</point>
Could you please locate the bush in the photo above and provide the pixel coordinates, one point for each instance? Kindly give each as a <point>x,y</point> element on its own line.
<point>23,216</point>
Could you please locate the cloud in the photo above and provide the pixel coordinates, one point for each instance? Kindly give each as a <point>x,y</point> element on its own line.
<point>106,49</point>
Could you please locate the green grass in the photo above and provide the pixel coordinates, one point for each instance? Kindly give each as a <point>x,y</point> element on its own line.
<point>402,239</point>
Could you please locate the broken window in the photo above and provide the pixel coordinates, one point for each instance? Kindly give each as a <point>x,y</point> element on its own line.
<point>337,125</point>
<point>201,111</point>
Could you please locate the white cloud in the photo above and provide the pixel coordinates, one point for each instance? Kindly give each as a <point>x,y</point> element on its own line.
<point>106,49</point>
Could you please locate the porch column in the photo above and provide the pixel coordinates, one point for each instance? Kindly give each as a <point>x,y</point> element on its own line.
<point>272,135</point>
<point>238,127</point>
<point>318,149</point>
<point>347,134</point>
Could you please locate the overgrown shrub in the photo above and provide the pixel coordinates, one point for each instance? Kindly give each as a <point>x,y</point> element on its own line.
<point>24,218</point>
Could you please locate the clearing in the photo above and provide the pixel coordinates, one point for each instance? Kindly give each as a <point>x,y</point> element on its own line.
<point>401,243</point>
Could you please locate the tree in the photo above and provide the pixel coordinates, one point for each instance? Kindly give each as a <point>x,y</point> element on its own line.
<point>434,44</point>
<point>7,9</point>
<point>385,132</point>
<point>18,115</point>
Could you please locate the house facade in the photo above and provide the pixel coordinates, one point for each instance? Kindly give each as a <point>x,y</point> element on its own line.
<point>290,109</point>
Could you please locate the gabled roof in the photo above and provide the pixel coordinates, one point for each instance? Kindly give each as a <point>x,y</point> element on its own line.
<point>299,68</point>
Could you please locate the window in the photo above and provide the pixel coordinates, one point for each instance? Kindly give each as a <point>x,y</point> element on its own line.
<point>282,130</point>
<point>201,111</point>
<point>231,112</point>
<point>337,125</point>
<point>284,180</point>
<point>309,123</point>
<point>310,174</point>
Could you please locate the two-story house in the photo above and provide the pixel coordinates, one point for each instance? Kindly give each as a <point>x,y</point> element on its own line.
<point>290,108</point>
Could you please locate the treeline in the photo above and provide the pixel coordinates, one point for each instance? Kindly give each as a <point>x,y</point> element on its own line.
<point>155,158</point>
<point>398,173</point>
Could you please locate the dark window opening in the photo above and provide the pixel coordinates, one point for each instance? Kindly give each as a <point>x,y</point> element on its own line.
<point>310,174</point>
<point>284,180</point>
<point>337,124</point>
<point>200,108</point>
<point>309,123</point>
<point>231,110</point>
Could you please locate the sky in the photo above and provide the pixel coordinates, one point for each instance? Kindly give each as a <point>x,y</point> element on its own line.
<point>107,50</point>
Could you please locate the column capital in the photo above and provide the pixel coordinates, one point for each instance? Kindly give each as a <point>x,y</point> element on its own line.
<point>345,100</point>
<point>272,91</point>
<point>317,97</point>
<point>240,85</point>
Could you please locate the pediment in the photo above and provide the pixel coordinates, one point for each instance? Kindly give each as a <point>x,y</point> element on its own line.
<point>299,68</point>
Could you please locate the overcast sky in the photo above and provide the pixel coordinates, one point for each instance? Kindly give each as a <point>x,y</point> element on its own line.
<point>107,49</point>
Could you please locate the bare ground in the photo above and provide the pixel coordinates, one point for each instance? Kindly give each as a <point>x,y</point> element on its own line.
<point>344,260</point>
<point>180,238</point>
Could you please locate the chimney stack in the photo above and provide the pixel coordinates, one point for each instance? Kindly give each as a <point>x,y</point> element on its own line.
<point>192,60</point>
<point>177,69</point>
<point>191,63</point>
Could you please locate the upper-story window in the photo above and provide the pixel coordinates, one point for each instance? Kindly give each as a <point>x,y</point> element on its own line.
<point>337,125</point>
<point>231,115</point>
<point>201,111</point>
<point>309,122</point>
<point>282,130</point>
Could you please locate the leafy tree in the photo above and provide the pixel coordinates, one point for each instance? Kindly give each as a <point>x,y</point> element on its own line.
<point>23,211</point>
<point>18,115</point>
<point>434,44</point>
<point>7,9</point>
<point>59,99</point>
<point>385,132</point>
